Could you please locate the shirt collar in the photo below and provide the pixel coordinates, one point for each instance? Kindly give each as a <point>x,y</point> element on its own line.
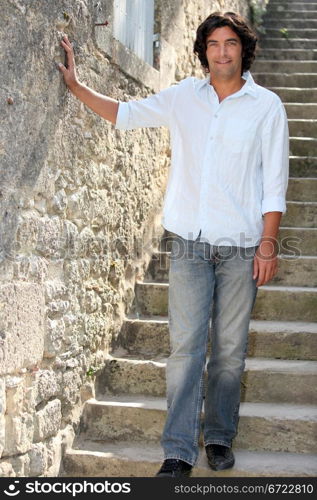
<point>248,88</point>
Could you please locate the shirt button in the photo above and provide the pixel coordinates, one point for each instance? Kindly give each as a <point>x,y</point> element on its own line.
<point>216,116</point>
<point>211,138</point>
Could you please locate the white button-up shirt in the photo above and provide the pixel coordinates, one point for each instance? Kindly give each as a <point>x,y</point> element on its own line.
<point>230,160</point>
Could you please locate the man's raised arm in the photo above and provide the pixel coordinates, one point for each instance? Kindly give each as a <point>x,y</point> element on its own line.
<point>102,105</point>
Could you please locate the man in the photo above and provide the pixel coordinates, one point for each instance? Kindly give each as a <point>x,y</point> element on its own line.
<point>224,201</point>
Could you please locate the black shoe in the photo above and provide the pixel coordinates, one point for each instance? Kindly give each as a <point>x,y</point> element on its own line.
<point>219,457</point>
<point>172,467</point>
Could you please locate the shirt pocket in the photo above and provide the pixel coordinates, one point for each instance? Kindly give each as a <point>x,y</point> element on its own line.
<point>237,135</point>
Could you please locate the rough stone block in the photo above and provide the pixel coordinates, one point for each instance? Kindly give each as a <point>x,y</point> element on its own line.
<point>78,206</point>
<point>59,202</point>
<point>46,385</point>
<point>6,469</point>
<point>37,460</point>
<point>21,465</point>
<point>14,395</point>
<point>27,234</point>
<point>31,268</point>
<point>72,240</point>
<point>87,391</point>
<point>21,325</point>
<point>54,290</point>
<point>2,412</point>
<point>47,421</point>
<point>71,383</point>
<point>18,434</point>
<point>92,301</point>
<point>50,242</point>
<point>54,336</point>
<point>54,455</point>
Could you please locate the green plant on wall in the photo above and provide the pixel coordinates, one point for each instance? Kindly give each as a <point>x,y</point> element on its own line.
<point>257,10</point>
<point>91,372</point>
<point>285,33</point>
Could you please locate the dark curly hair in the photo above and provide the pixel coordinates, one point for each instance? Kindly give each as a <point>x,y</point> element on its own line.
<point>239,25</point>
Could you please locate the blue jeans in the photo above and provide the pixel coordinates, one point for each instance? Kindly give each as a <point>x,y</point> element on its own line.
<point>206,281</point>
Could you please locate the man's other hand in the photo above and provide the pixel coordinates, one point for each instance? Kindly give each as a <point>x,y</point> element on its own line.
<point>265,262</point>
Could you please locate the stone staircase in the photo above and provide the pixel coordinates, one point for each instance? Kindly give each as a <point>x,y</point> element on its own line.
<point>120,430</point>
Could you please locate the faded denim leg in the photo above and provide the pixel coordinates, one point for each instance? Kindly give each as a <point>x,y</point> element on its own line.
<point>191,287</point>
<point>234,297</point>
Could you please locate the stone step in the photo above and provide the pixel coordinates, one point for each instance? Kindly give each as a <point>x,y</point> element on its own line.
<point>272,303</point>
<point>300,213</point>
<point>309,33</point>
<point>280,7</point>
<point>303,127</point>
<point>122,459</point>
<point>275,79</point>
<point>262,426</point>
<point>289,14</point>
<point>293,4</point>
<point>297,241</point>
<point>287,54</point>
<point>303,166</point>
<point>281,66</point>
<point>297,96</point>
<point>276,42</point>
<point>280,303</point>
<point>302,189</point>
<point>148,337</point>
<point>302,146</point>
<point>292,271</point>
<point>299,111</point>
<point>263,380</point>
<point>271,22</point>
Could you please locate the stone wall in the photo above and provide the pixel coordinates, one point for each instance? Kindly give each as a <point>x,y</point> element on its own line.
<point>80,210</point>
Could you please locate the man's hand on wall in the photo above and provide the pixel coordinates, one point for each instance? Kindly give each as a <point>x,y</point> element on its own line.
<point>69,73</point>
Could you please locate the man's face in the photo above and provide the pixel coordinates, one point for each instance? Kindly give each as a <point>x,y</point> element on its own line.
<point>224,53</point>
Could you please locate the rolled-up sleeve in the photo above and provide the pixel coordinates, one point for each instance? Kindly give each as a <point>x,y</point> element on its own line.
<point>152,111</point>
<point>275,161</point>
